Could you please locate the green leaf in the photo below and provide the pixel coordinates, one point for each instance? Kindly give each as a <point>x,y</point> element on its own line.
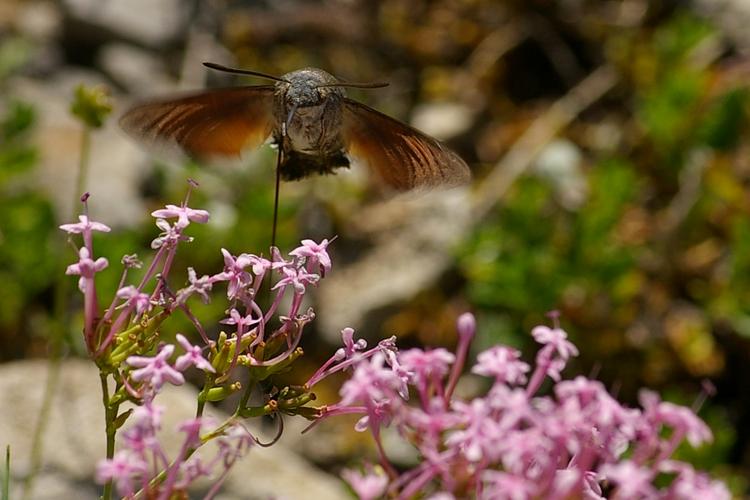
<point>19,119</point>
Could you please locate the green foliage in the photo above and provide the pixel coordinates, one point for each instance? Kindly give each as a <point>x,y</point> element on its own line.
<point>526,267</point>
<point>15,51</point>
<point>27,263</point>
<point>723,123</point>
<point>27,268</point>
<point>676,38</point>
<point>16,155</point>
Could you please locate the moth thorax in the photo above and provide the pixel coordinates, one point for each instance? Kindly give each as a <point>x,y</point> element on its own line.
<point>308,126</point>
<point>307,87</point>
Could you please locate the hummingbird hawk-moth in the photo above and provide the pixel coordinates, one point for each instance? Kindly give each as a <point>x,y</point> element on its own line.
<point>315,126</point>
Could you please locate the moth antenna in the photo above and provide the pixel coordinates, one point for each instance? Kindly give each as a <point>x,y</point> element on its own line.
<point>237,71</point>
<point>375,85</point>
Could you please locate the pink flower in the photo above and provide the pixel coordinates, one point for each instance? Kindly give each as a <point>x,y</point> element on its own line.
<point>184,215</point>
<point>505,486</point>
<point>131,261</point>
<point>570,480</point>
<point>243,323</point>
<point>260,265</point>
<point>86,267</point>
<point>190,470</point>
<point>278,262</point>
<point>511,445</point>
<point>316,255</point>
<point>431,422</point>
<point>681,419</point>
<point>632,480</point>
<point>155,370</point>
<point>371,382</point>
<point>556,337</point>
<point>124,469</point>
<point>475,440</point>
<point>298,278</point>
<point>141,301</point>
<point>502,363</point>
<point>350,347</point>
<point>193,356</point>
<point>234,273</point>
<point>192,429</point>
<point>377,387</point>
<point>580,388</point>
<point>426,366</point>
<point>512,404</point>
<point>169,235</point>
<point>368,485</point>
<point>85,226</point>
<point>691,484</point>
<point>148,416</point>
<point>146,421</point>
<point>200,286</point>
<point>234,443</point>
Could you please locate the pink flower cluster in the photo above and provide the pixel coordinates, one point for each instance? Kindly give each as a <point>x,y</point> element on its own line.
<point>513,443</point>
<point>125,341</point>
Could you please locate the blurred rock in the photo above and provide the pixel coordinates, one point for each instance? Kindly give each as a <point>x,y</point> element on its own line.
<point>137,70</point>
<point>733,16</point>
<point>39,20</point>
<point>74,440</point>
<point>560,164</point>
<point>257,24</point>
<point>415,235</point>
<point>151,22</point>
<point>442,120</point>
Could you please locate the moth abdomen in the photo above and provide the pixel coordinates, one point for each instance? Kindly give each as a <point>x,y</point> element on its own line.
<point>296,165</point>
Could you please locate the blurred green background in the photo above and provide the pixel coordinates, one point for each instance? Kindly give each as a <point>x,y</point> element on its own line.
<point>608,141</point>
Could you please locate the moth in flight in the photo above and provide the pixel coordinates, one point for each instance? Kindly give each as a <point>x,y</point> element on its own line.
<point>316,127</point>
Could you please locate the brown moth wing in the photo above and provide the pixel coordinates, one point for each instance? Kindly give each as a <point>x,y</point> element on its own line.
<point>402,156</point>
<point>219,122</point>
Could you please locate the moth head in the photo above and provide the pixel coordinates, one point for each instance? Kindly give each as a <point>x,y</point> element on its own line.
<point>308,87</point>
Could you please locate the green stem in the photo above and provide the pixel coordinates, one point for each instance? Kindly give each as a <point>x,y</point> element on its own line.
<point>59,333</point>
<point>246,395</point>
<point>83,166</point>
<point>50,386</point>
<point>110,414</point>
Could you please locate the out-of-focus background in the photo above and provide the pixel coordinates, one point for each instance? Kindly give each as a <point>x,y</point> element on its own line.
<point>608,142</point>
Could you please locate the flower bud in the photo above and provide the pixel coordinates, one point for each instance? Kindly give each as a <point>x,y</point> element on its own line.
<point>466,326</point>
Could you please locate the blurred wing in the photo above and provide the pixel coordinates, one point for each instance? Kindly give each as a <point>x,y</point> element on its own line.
<point>219,122</point>
<point>401,155</point>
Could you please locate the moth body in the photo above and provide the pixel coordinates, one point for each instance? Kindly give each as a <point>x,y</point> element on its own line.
<point>308,117</point>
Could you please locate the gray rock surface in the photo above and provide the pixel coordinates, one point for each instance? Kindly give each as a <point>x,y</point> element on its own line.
<point>415,237</point>
<point>152,22</point>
